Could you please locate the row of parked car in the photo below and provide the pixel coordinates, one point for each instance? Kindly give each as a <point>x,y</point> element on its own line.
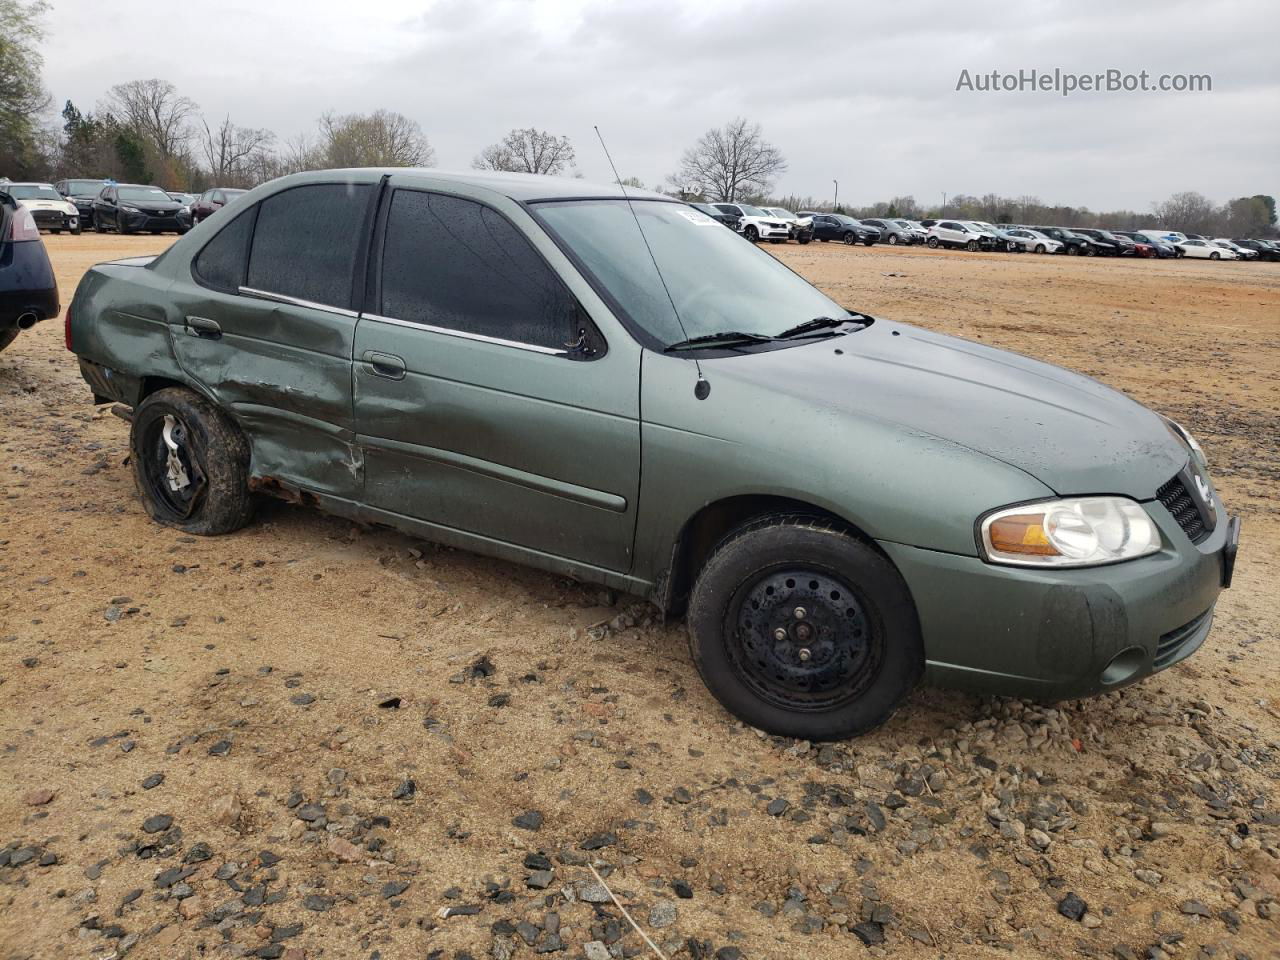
<point>104,205</point>
<point>778,225</point>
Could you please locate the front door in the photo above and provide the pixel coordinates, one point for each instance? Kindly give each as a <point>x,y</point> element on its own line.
<point>488,403</point>
<point>268,328</point>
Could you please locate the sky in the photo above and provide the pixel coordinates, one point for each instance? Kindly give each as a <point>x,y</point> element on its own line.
<point>862,93</point>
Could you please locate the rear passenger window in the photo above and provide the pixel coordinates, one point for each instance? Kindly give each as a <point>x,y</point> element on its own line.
<point>460,265</point>
<point>306,242</point>
<point>223,261</point>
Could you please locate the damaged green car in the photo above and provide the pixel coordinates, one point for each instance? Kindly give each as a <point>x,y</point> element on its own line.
<point>611,386</point>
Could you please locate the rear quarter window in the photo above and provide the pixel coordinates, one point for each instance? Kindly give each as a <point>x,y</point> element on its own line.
<point>224,261</point>
<point>306,242</point>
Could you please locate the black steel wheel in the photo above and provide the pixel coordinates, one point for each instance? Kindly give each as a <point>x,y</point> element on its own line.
<point>803,630</point>
<point>190,463</point>
<point>801,638</point>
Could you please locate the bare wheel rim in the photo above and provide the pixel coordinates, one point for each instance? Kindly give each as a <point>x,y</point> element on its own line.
<point>173,466</point>
<point>801,639</point>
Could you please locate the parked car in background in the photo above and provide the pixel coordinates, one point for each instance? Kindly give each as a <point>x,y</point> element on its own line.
<point>1002,240</point>
<point>186,199</point>
<point>211,201</point>
<point>1033,241</point>
<point>50,209</point>
<point>894,232</point>
<point>1266,249</point>
<point>1108,243</point>
<point>801,227</point>
<point>136,208</point>
<point>956,233</point>
<point>918,233</point>
<point>730,220</point>
<point>1072,243</point>
<point>836,226</point>
<point>755,224</point>
<point>28,288</point>
<point>1203,250</point>
<point>82,193</point>
<point>1163,246</point>
<point>964,515</point>
<point>1141,246</point>
<point>1244,253</point>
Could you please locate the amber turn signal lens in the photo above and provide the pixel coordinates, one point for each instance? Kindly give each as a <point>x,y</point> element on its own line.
<point>1022,533</point>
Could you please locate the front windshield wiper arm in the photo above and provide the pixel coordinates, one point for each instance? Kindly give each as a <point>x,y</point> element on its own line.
<point>816,325</point>
<point>725,338</point>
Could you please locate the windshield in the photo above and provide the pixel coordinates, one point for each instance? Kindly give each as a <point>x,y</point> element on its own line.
<point>28,191</point>
<point>785,214</point>
<point>754,211</point>
<point>147,194</point>
<point>849,220</point>
<point>85,188</point>
<point>717,280</point>
<point>233,193</point>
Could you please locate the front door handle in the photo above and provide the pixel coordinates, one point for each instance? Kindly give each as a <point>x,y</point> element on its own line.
<point>204,327</point>
<point>385,365</point>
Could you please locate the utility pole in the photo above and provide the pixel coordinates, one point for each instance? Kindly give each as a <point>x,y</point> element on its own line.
<point>943,211</point>
<point>835,201</point>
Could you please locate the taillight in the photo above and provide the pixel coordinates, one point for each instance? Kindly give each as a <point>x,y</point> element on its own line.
<point>22,226</point>
<point>66,326</point>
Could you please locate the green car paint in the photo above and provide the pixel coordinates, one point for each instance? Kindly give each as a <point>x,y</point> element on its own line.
<point>619,468</point>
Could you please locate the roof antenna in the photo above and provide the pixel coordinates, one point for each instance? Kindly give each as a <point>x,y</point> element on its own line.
<point>701,389</point>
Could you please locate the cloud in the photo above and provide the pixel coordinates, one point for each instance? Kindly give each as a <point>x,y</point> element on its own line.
<point>862,93</point>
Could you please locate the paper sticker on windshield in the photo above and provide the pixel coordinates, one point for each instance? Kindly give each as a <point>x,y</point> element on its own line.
<point>697,217</point>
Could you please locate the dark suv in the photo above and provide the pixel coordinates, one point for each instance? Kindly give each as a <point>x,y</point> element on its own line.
<point>1266,249</point>
<point>836,226</point>
<point>1072,243</point>
<point>82,193</point>
<point>1107,242</point>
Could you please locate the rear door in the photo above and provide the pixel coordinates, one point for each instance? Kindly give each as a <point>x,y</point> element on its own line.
<point>267,328</point>
<point>487,400</point>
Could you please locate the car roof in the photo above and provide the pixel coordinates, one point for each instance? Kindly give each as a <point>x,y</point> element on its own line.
<point>28,183</point>
<point>524,187</point>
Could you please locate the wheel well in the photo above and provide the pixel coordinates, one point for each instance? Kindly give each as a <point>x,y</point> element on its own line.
<point>706,528</point>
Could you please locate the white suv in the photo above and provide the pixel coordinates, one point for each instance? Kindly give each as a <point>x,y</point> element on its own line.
<point>756,224</point>
<point>953,233</point>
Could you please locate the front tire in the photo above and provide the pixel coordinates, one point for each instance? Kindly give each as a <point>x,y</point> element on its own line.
<point>972,246</point>
<point>933,243</point>
<point>752,234</point>
<point>804,631</point>
<point>850,238</point>
<point>190,463</point>
<point>893,240</point>
<point>1215,256</point>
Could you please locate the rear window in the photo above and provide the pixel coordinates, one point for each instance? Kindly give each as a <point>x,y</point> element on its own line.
<point>306,242</point>
<point>224,261</point>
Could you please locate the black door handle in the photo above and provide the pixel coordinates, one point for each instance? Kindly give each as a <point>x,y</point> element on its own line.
<point>385,364</point>
<point>204,327</point>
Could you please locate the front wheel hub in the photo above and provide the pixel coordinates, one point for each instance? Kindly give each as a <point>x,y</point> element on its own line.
<point>801,639</point>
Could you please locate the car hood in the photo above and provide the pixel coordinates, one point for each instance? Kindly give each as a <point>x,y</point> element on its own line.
<point>42,204</point>
<point>1070,432</point>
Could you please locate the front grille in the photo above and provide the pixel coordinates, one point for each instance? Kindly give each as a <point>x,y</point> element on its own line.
<point>47,216</point>
<point>1177,500</point>
<point>1170,644</point>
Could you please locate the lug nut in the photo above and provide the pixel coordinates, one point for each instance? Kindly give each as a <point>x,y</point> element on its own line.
<point>800,613</point>
<point>780,634</point>
<point>805,654</point>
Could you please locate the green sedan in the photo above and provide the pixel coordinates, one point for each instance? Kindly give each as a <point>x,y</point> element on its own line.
<point>610,386</point>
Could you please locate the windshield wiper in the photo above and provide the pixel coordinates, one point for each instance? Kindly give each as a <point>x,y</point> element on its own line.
<point>816,325</point>
<point>725,338</point>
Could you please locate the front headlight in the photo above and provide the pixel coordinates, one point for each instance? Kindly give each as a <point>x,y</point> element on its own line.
<point>1074,532</point>
<point>1179,431</point>
<point>128,209</point>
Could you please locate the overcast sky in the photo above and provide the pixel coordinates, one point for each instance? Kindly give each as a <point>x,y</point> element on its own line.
<point>862,93</point>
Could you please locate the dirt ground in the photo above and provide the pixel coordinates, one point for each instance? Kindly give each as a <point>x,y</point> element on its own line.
<point>310,740</point>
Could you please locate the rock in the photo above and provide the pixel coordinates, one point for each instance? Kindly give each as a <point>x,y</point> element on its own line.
<point>682,890</point>
<point>404,791</point>
<point>1091,920</point>
<point>302,699</point>
<point>540,879</point>
<point>1194,908</point>
<point>598,840</point>
<point>157,824</point>
<point>869,932</point>
<point>596,950</point>
<point>593,893</point>
<point>345,850</point>
<point>225,810</point>
<point>777,807</point>
<point>220,749</point>
<point>662,914</point>
<point>317,902</point>
<point>37,798</point>
<point>1072,907</point>
<point>393,888</point>
<point>190,908</point>
<point>1039,839</point>
<point>310,812</point>
<point>529,820</point>
<point>153,781</point>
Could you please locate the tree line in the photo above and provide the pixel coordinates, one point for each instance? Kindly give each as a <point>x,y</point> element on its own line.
<point>147,131</point>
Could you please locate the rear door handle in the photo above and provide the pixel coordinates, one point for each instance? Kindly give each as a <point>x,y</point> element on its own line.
<point>385,364</point>
<point>203,327</point>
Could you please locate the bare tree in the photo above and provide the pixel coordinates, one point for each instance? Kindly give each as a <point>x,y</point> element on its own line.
<point>527,151</point>
<point>155,111</point>
<point>232,151</point>
<point>730,161</point>
<point>1188,211</point>
<point>383,138</point>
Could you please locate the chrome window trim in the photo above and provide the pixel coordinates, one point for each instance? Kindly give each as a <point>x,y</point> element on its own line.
<point>463,335</point>
<point>296,302</point>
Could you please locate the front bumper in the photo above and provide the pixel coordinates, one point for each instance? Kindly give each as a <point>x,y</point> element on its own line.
<point>154,221</point>
<point>55,220</point>
<point>1060,634</point>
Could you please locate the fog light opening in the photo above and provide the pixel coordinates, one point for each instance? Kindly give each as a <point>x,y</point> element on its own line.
<point>1123,666</point>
